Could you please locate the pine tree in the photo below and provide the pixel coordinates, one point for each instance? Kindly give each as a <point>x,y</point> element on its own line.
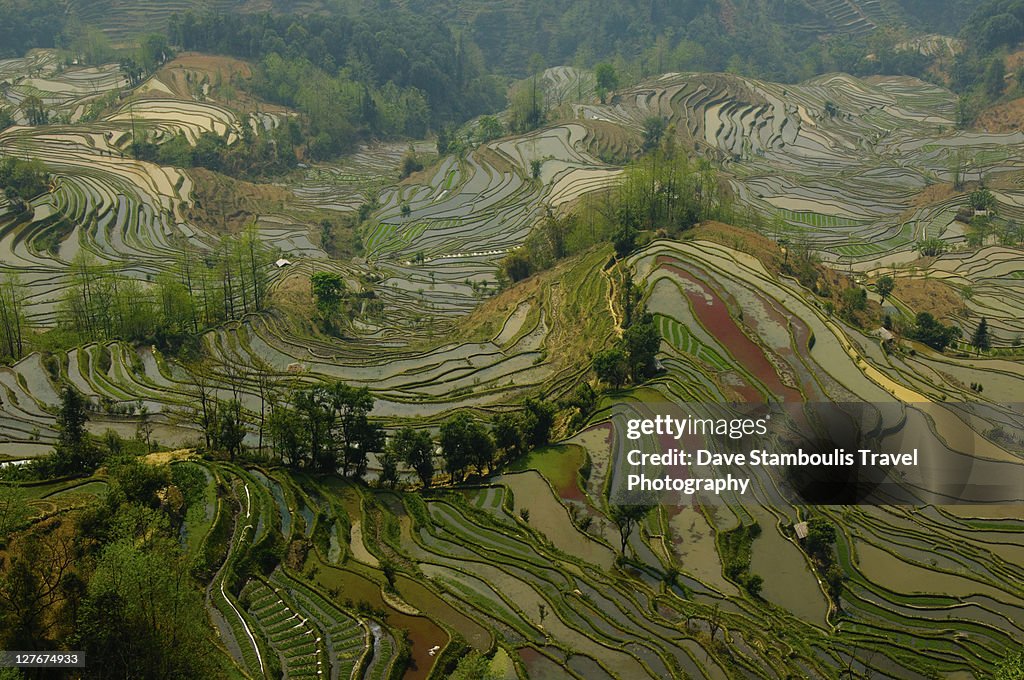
<point>884,287</point>
<point>74,452</point>
<point>980,340</point>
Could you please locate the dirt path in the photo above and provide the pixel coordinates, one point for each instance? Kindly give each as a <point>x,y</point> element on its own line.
<point>359,550</point>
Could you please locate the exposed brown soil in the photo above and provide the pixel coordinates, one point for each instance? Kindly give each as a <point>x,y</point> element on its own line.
<point>929,295</point>
<point>743,240</point>
<point>1006,117</point>
<point>184,74</point>
<point>165,457</point>
<point>295,295</point>
<point>611,141</point>
<point>224,204</point>
<point>930,195</point>
<point>496,160</point>
<point>934,193</point>
<point>1012,179</point>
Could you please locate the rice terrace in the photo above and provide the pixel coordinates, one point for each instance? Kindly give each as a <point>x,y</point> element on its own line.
<point>335,335</point>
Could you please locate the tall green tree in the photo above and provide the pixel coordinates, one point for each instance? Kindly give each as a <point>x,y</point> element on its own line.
<point>317,417</point>
<point>35,111</point>
<point>539,418</point>
<point>28,178</point>
<point>328,291</point>
<point>980,340</point>
<point>388,468</point>
<point>288,437</point>
<point>611,366</point>
<point>35,588</point>
<point>416,449</point>
<point>74,453</point>
<point>526,108</point>
<point>982,199</point>
<point>821,537</point>
<point>231,428</point>
<point>517,265</point>
<point>607,79</point>
<point>464,442</point>
<point>654,129</point>
<point>995,77</point>
<point>142,617</point>
<point>641,342</point>
<point>353,433</point>
<point>507,431</point>
<point>932,332</point>
<point>884,286</point>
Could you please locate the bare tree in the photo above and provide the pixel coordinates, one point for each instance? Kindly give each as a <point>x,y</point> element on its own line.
<point>12,320</point>
<point>32,586</point>
<point>203,407</point>
<point>263,377</point>
<point>715,621</point>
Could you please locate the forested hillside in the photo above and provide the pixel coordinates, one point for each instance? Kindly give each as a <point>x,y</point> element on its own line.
<point>787,40</point>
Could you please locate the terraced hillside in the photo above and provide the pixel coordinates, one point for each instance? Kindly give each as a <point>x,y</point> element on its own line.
<point>430,246</point>
<point>845,162</point>
<point>126,19</point>
<point>526,563</point>
<point>852,17</point>
<point>64,93</point>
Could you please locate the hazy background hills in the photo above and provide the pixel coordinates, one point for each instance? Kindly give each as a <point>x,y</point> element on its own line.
<point>509,32</point>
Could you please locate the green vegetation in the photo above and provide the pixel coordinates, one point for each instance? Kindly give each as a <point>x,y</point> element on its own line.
<point>14,326</point>
<point>884,286</point>
<point>1012,667</point>
<point>473,666</point>
<point>465,442</point>
<point>112,570</point>
<point>74,452</point>
<point>607,79</point>
<point>270,153</point>
<point>669,191</point>
<point>327,428</point>
<point>663,191</point>
<point>527,101</point>
<point>932,332</point>
<point>25,24</point>
<point>633,357</point>
<point>22,180</point>
<point>980,340</point>
<point>735,548</point>
<point>102,302</point>
<point>626,518</point>
<point>355,75</point>
<point>414,448</point>
<point>397,466</point>
<point>784,41</point>
<point>820,546</point>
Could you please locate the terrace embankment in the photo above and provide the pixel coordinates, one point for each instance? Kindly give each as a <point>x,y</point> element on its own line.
<point>224,204</point>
